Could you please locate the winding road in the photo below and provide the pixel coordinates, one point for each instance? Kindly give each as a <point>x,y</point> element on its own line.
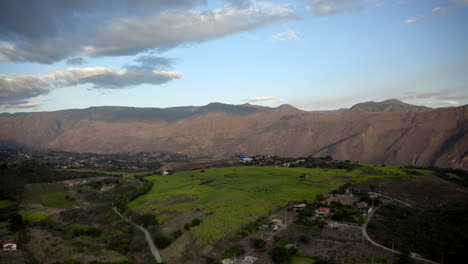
<point>149,240</point>
<point>366,236</point>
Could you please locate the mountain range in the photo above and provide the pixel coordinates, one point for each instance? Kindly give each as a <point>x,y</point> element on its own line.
<point>388,132</point>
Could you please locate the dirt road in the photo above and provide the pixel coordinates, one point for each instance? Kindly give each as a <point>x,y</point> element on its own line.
<point>149,240</point>
<point>366,236</point>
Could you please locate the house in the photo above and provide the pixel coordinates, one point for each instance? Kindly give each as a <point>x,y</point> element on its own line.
<point>164,172</point>
<point>300,206</point>
<point>249,260</point>
<point>373,195</point>
<point>9,246</point>
<point>227,261</point>
<point>362,205</point>
<point>323,211</point>
<point>277,222</point>
<point>332,224</point>
<point>288,246</point>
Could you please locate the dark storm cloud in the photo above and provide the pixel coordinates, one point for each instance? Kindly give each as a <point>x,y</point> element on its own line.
<point>47,31</point>
<point>76,61</point>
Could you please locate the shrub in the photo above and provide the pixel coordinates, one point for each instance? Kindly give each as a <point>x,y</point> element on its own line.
<point>161,241</point>
<point>258,244</point>
<point>236,250</point>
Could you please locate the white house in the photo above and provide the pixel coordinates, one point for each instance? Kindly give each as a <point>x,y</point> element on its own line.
<point>9,246</point>
<point>227,261</point>
<point>249,260</point>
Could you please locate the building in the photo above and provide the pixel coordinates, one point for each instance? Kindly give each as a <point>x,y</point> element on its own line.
<point>323,211</point>
<point>249,260</point>
<point>362,205</point>
<point>373,195</point>
<point>227,261</point>
<point>300,206</point>
<point>9,246</point>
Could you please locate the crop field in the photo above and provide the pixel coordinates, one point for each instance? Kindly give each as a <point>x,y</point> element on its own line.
<point>49,195</point>
<point>232,197</point>
<point>5,203</point>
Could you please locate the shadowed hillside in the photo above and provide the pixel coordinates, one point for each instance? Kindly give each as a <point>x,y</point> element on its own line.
<point>391,132</point>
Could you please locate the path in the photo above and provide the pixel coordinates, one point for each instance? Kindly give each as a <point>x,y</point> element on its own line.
<point>149,240</point>
<point>366,236</point>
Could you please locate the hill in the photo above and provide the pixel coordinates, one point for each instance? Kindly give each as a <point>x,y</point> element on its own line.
<point>392,105</point>
<point>432,137</point>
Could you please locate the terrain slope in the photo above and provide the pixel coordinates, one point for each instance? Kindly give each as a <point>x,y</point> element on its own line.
<point>389,132</point>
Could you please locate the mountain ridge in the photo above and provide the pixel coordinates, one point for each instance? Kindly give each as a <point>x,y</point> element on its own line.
<point>433,137</point>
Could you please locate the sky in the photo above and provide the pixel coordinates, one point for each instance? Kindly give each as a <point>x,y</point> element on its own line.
<point>312,54</point>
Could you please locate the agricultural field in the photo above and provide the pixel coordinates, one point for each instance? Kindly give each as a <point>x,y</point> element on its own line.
<point>229,198</point>
<point>53,195</point>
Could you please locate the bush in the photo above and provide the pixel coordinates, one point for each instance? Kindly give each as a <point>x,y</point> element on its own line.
<point>84,230</point>
<point>161,241</point>
<point>236,250</point>
<point>147,220</point>
<point>258,244</point>
<point>281,255</point>
<point>304,239</point>
<point>196,222</point>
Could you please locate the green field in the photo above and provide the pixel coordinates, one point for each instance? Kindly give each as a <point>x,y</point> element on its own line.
<point>5,203</point>
<point>35,217</point>
<point>302,260</point>
<point>232,197</point>
<point>49,195</point>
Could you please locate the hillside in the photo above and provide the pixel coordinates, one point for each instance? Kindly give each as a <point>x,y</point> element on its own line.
<point>392,105</point>
<point>433,137</point>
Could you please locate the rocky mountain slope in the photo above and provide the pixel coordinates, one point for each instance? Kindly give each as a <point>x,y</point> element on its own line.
<point>392,133</point>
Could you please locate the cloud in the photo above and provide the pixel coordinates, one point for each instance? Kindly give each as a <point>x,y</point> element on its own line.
<point>76,61</point>
<point>446,95</point>
<point>85,28</point>
<point>412,20</point>
<point>16,89</point>
<point>438,10</point>
<point>462,2</point>
<point>149,62</point>
<point>19,106</point>
<point>285,35</point>
<point>323,8</point>
<point>260,99</point>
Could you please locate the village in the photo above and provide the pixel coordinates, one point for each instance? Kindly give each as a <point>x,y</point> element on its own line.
<point>342,208</point>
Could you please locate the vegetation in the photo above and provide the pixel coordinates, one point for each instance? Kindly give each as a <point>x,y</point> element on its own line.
<point>5,203</point>
<point>35,217</point>
<point>282,254</point>
<point>234,251</point>
<point>429,232</point>
<point>237,196</point>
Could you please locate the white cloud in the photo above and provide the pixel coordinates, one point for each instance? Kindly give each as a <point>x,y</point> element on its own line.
<point>19,106</point>
<point>285,35</point>
<point>445,95</point>
<point>260,99</point>
<point>324,8</point>
<point>413,19</point>
<point>16,89</point>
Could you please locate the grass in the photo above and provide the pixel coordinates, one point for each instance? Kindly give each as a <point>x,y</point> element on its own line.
<point>5,203</point>
<point>232,197</point>
<point>302,260</point>
<point>35,217</point>
<point>49,195</point>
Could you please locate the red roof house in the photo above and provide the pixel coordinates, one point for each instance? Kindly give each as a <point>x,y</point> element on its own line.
<point>9,246</point>
<point>325,211</point>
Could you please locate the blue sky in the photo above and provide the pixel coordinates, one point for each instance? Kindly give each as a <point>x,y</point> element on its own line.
<point>312,54</point>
